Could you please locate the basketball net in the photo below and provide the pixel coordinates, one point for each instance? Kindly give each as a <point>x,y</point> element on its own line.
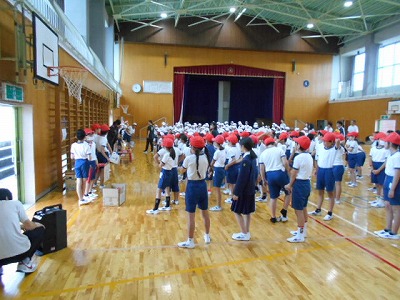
<point>74,77</point>
<point>124,108</point>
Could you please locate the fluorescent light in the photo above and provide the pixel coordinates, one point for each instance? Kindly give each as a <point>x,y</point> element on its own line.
<point>163,15</point>
<point>232,9</point>
<point>310,25</point>
<point>348,3</point>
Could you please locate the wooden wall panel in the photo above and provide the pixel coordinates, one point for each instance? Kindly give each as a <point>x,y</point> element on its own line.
<point>364,112</point>
<point>146,62</point>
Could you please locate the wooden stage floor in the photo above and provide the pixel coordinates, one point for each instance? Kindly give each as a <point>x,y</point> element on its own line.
<point>122,253</point>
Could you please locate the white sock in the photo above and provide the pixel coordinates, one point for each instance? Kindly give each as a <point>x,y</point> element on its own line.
<point>300,232</point>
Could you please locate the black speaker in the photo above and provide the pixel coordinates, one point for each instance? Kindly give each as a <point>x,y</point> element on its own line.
<point>54,218</point>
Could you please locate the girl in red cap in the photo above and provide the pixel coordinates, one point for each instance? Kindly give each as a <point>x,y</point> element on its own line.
<point>196,165</point>
<point>166,165</point>
<point>218,167</point>
<point>232,167</point>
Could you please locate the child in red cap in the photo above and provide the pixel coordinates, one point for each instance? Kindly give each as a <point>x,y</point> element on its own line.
<point>232,167</point>
<point>218,168</point>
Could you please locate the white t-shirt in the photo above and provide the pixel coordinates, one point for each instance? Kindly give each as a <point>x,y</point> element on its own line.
<point>80,150</point>
<point>338,161</point>
<point>190,165</point>
<point>167,161</point>
<point>352,146</point>
<point>92,147</point>
<point>101,143</point>
<point>379,154</point>
<point>233,154</point>
<point>219,157</point>
<point>304,163</point>
<point>325,157</point>
<point>392,163</point>
<point>282,146</point>
<point>272,159</point>
<point>352,128</point>
<point>12,241</point>
<point>313,144</point>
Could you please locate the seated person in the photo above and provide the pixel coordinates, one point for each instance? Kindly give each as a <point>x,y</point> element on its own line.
<point>16,246</point>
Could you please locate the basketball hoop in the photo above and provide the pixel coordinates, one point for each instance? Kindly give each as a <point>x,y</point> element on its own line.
<point>124,108</point>
<point>73,77</point>
<point>390,112</point>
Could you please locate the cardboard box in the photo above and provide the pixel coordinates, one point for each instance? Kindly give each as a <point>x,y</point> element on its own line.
<point>107,171</point>
<point>114,195</point>
<point>70,180</point>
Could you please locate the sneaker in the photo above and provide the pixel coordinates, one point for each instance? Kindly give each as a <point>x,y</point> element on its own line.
<point>378,204</point>
<point>241,236</point>
<point>315,213</point>
<point>360,177</point>
<point>188,244</point>
<point>295,239</point>
<point>216,208</point>
<point>229,200</point>
<point>84,201</point>
<point>283,219</point>
<point>145,152</point>
<point>353,185</point>
<point>392,236</point>
<point>93,196</point>
<point>207,239</point>
<point>275,220</point>
<point>380,232</point>
<point>328,217</point>
<point>152,211</point>
<point>337,201</point>
<point>165,208</point>
<point>294,232</point>
<point>182,194</point>
<point>209,192</point>
<point>373,201</point>
<point>226,192</point>
<point>163,194</point>
<point>372,189</point>
<point>101,186</point>
<point>261,199</point>
<point>27,266</point>
<point>176,202</point>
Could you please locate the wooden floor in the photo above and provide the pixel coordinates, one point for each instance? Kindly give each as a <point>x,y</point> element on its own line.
<point>122,253</point>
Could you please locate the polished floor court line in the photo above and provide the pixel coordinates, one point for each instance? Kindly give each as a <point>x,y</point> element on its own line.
<point>121,253</point>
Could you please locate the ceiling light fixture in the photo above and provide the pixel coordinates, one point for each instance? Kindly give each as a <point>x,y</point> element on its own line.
<point>232,9</point>
<point>348,3</point>
<point>163,15</point>
<point>310,25</point>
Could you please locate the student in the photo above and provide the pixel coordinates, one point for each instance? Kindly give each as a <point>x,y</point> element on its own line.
<point>352,149</point>
<point>339,126</point>
<point>361,156</point>
<point>300,187</point>
<point>166,165</point>
<point>329,127</point>
<point>378,155</point>
<point>274,170</point>
<point>14,245</point>
<point>338,168</point>
<point>391,189</point>
<point>211,150</point>
<point>352,127</point>
<point>149,137</point>
<point>103,151</point>
<point>196,165</point>
<point>89,192</point>
<point>232,167</point>
<point>244,204</point>
<point>325,158</point>
<point>218,167</point>
<point>81,153</point>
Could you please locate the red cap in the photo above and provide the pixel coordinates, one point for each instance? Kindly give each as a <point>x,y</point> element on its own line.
<point>178,135</point>
<point>209,137</point>
<point>169,136</point>
<point>283,136</point>
<point>232,138</point>
<point>303,141</point>
<point>260,133</point>
<point>225,134</point>
<point>294,134</point>
<point>96,126</point>
<point>104,128</point>
<point>254,138</point>
<point>393,138</point>
<point>196,134</point>
<point>268,141</point>
<point>219,139</point>
<point>245,134</point>
<point>88,131</point>
<point>197,142</point>
<point>380,135</point>
<point>323,132</point>
<point>167,142</point>
<point>339,136</point>
<point>329,137</point>
<point>355,134</point>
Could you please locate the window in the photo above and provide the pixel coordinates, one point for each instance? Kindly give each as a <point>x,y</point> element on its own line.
<point>358,72</point>
<point>389,66</point>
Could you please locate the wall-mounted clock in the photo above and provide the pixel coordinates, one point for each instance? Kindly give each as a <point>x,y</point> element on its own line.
<point>137,88</point>
<point>306,83</point>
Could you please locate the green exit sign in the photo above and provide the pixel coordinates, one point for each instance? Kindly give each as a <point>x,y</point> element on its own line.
<point>385,117</point>
<point>11,92</point>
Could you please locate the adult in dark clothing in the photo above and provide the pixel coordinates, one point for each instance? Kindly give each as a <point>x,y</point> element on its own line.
<point>112,135</point>
<point>213,129</point>
<point>149,136</point>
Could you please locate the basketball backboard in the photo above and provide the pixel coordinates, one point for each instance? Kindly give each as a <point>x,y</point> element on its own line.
<point>45,50</point>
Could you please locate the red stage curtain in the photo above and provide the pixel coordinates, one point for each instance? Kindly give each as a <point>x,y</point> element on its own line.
<point>234,71</point>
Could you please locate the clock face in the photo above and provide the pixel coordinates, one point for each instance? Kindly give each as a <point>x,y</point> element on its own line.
<point>137,88</point>
<point>306,83</point>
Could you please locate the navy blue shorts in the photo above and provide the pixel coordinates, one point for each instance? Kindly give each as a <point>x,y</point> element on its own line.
<point>276,182</point>
<point>127,137</point>
<point>81,168</point>
<point>287,153</point>
<point>92,170</point>
<point>352,160</point>
<point>165,180</point>
<point>325,179</point>
<point>232,174</point>
<point>300,194</point>
<point>174,180</point>
<point>100,158</point>
<point>386,187</point>
<point>196,195</point>
<point>219,175</point>
<point>378,178</point>
<point>338,172</point>
<point>360,159</point>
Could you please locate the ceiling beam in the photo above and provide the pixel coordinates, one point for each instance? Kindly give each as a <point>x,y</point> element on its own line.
<point>395,3</point>
<point>147,24</point>
<point>113,12</point>
<point>316,23</point>
<point>362,16</point>
<point>208,19</point>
